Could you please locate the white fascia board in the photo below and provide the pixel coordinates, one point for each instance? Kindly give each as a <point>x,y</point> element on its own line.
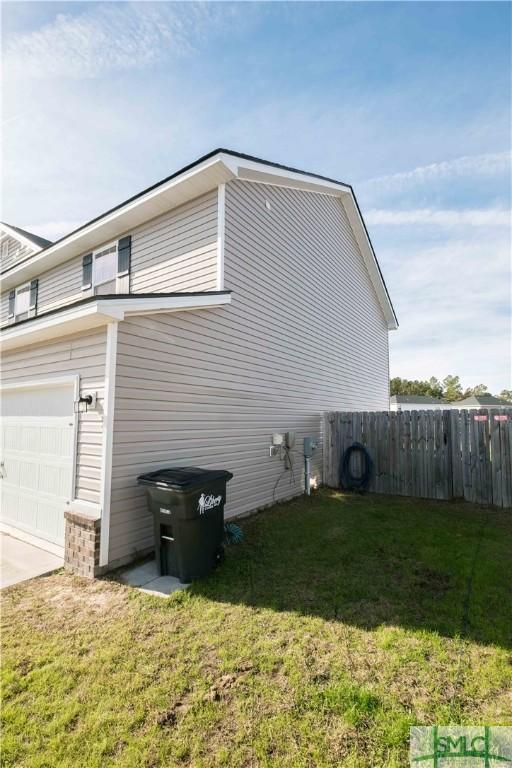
<point>370,259</point>
<point>192,183</point>
<point>7,230</point>
<point>102,312</point>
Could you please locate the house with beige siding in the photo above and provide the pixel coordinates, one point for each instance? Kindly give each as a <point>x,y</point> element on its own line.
<point>233,300</point>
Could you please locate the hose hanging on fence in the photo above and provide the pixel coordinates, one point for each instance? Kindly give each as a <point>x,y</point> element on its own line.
<point>350,482</point>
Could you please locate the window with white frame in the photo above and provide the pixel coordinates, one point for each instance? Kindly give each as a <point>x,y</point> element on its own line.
<point>104,265</point>
<point>22,300</point>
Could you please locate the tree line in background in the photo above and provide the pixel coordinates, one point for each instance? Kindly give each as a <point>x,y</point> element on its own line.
<point>449,389</point>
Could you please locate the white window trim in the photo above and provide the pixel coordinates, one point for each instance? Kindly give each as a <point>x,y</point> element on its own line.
<point>98,252</point>
<point>18,290</point>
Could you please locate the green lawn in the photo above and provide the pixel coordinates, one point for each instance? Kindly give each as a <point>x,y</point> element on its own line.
<point>338,623</point>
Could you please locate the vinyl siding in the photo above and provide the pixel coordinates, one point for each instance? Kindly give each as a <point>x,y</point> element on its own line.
<point>175,252</point>
<point>61,285</point>
<point>15,251</point>
<point>82,354</point>
<point>304,333</point>
<point>178,251</point>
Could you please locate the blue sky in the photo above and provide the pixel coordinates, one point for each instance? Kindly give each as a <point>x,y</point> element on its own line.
<point>409,102</point>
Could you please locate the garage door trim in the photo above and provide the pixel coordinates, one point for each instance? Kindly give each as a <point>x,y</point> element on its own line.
<point>48,381</point>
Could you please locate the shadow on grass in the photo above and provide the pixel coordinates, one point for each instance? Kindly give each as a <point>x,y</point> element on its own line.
<point>377,560</point>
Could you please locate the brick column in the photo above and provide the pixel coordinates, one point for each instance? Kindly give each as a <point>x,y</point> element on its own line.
<point>82,544</point>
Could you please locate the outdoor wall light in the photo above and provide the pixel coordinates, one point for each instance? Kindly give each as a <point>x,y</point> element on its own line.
<point>85,402</point>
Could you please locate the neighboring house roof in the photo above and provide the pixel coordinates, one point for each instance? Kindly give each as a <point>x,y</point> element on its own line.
<point>418,399</point>
<point>484,401</point>
<point>217,167</point>
<point>18,233</point>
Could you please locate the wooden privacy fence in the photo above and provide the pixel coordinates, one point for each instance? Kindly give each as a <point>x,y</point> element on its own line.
<point>430,454</point>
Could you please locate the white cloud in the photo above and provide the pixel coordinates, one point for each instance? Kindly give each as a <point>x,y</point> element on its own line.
<point>107,37</point>
<point>453,305</point>
<point>484,217</point>
<point>489,164</point>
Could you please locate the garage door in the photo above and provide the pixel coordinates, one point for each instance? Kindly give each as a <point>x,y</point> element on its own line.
<point>37,459</point>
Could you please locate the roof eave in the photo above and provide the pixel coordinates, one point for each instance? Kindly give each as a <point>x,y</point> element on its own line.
<point>98,311</point>
<point>207,173</point>
<point>178,190</point>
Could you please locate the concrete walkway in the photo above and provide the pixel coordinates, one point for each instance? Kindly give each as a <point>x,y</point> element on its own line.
<point>20,561</point>
<point>146,578</point>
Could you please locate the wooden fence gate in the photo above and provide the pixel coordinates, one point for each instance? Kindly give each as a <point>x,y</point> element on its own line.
<point>430,454</point>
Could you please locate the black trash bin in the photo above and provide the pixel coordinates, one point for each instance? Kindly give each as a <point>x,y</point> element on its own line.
<point>187,504</point>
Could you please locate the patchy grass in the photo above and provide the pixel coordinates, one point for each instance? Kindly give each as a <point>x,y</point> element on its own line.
<point>338,623</point>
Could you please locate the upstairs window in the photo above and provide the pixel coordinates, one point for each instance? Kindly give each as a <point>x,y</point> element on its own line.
<point>22,302</point>
<point>105,265</point>
<point>107,270</point>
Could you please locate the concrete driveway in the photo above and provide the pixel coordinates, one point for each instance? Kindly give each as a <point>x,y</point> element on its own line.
<point>20,561</point>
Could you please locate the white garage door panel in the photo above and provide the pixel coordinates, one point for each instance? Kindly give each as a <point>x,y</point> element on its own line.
<point>52,401</point>
<point>37,455</point>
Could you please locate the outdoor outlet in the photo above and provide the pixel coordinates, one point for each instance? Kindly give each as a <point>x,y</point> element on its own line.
<point>277,439</point>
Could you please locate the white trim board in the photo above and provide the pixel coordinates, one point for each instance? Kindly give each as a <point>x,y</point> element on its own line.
<point>73,319</point>
<point>107,439</point>
<point>221,227</point>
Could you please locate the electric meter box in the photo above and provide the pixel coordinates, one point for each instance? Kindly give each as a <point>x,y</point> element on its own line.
<point>310,444</point>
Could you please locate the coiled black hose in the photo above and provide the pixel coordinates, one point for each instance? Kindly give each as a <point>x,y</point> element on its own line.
<point>350,482</point>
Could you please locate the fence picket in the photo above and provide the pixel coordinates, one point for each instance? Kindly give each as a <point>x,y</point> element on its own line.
<point>429,454</point>
<point>455,454</point>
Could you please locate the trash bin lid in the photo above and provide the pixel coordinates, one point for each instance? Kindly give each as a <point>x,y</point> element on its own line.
<point>183,478</point>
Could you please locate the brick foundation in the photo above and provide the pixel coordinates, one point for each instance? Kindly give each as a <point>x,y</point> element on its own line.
<point>82,544</point>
